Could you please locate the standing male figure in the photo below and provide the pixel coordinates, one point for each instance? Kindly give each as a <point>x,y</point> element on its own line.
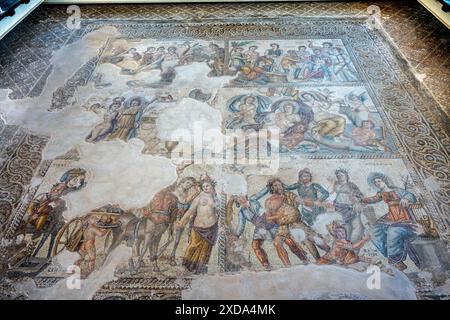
<point>185,190</point>
<point>281,208</point>
<point>312,196</point>
<point>264,229</point>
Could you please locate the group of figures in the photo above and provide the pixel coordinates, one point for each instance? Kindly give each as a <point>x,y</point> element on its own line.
<point>250,63</point>
<point>312,120</point>
<point>122,118</point>
<point>309,90</point>
<point>188,201</point>
<point>194,203</point>
<point>162,59</point>
<point>297,206</point>
<point>326,62</point>
<point>327,119</point>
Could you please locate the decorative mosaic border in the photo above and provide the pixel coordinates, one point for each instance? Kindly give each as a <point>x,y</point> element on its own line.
<point>21,154</point>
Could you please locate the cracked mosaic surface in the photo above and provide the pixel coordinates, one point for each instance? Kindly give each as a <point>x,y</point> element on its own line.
<point>94,118</point>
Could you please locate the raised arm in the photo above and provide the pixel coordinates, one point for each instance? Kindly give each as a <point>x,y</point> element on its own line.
<point>353,246</point>
<point>361,242</point>
<point>406,198</point>
<point>260,194</point>
<point>291,187</point>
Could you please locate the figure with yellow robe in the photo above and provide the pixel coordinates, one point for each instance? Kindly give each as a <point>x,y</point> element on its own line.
<point>326,122</point>
<point>204,228</point>
<point>129,118</point>
<point>128,61</point>
<point>45,211</point>
<point>44,204</point>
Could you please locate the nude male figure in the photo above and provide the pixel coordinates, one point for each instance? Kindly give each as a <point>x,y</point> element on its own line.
<point>281,208</point>
<point>87,249</point>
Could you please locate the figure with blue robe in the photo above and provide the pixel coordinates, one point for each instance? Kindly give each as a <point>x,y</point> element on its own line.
<point>303,58</point>
<point>317,68</point>
<point>394,231</point>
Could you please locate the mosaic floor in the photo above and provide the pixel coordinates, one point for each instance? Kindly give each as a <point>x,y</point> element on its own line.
<point>225,151</point>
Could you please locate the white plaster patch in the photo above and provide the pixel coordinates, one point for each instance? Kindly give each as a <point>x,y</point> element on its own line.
<point>121,175</point>
<point>187,114</point>
<point>88,286</point>
<point>299,282</point>
<point>234,183</point>
<point>432,184</point>
<point>67,127</point>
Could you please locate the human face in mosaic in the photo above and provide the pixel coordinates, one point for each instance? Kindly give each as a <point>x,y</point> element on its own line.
<point>207,187</point>
<point>115,106</point>
<point>289,109</point>
<point>135,103</point>
<point>76,182</point>
<point>305,178</point>
<point>380,184</point>
<point>57,190</point>
<point>214,47</point>
<point>187,184</point>
<point>277,187</point>
<point>249,100</point>
<point>341,177</point>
